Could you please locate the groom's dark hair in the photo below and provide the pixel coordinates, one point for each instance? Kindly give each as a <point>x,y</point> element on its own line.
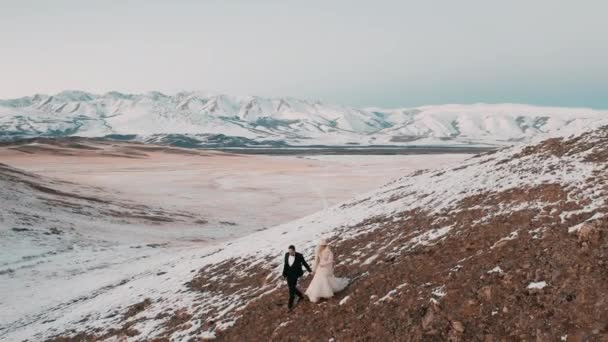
<point>292,247</point>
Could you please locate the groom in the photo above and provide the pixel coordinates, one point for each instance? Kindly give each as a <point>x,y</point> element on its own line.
<point>292,270</point>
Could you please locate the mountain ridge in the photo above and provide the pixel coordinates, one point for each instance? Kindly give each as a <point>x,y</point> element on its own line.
<point>284,121</point>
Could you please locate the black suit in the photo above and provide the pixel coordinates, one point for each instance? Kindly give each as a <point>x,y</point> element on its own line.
<point>292,273</point>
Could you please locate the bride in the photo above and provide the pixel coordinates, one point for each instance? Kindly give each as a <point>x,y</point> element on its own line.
<point>324,284</point>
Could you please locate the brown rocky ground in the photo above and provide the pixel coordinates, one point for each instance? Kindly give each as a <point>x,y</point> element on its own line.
<point>401,297</point>
<point>472,286</point>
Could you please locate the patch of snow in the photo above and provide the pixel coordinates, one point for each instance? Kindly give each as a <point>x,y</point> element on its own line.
<point>512,236</point>
<point>344,300</point>
<point>537,285</point>
<point>388,296</point>
<point>370,260</point>
<point>456,268</point>
<point>428,237</point>
<point>576,228</point>
<point>439,291</point>
<point>536,233</point>
<point>496,269</point>
<point>207,335</point>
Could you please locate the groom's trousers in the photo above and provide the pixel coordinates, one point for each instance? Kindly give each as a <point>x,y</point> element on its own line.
<point>292,283</point>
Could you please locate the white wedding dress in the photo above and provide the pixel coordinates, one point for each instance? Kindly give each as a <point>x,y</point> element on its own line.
<point>324,284</point>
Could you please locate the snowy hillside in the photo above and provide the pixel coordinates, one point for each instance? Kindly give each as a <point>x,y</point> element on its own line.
<point>196,119</point>
<point>458,253</point>
<point>61,243</point>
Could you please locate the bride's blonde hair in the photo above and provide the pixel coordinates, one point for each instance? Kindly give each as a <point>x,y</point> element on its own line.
<point>322,245</point>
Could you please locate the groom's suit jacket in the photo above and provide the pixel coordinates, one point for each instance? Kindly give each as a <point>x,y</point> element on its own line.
<point>295,270</point>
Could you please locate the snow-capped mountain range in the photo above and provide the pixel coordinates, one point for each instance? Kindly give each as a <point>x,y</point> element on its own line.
<point>198,119</point>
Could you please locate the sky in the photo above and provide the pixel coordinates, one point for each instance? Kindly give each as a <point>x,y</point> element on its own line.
<point>360,53</point>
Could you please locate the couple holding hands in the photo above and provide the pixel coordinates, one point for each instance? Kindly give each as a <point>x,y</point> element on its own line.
<point>323,285</point>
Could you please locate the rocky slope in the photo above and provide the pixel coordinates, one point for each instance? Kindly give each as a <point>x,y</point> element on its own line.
<point>191,119</point>
<point>523,259</point>
<point>509,245</point>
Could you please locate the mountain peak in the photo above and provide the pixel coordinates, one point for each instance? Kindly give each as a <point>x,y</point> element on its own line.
<point>74,95</point>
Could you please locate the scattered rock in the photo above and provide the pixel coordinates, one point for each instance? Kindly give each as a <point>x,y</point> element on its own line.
<point>132,332</point>
<point>428,318</point>
<point>7,271</point>
<point>590,234</point>
<point>53,231</point>
<point>137,308</point>
<point>486,292</point>
<point>458,326</point>
<point>157,245</point>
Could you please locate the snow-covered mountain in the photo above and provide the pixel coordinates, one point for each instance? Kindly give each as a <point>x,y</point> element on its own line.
<point>198,119</point>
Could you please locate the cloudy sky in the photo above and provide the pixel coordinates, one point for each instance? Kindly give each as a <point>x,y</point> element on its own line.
<point>361,53</point>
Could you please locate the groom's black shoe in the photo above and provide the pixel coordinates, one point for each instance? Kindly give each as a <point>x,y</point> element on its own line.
<point>296,301</point>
